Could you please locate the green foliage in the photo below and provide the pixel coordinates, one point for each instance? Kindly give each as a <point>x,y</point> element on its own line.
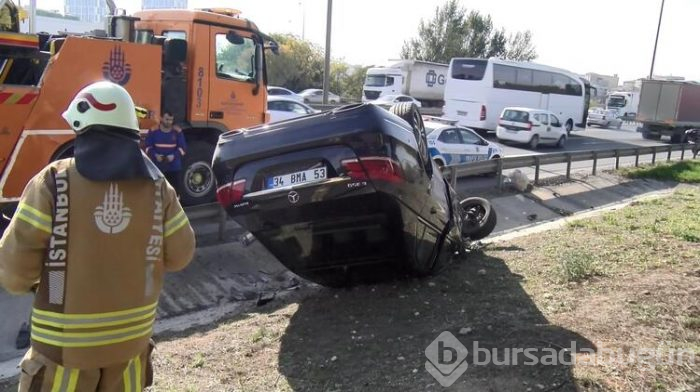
<point>300,65</point>
<point>454,33</point>
<point>685,171</point>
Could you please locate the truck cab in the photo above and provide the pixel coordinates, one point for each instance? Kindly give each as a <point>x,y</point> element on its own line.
<point>623,102</point>
<point>206,66</point>
<point>382,81</point>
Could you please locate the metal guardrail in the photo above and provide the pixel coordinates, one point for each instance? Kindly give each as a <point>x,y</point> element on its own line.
<point>214,211</point>
<point>497,166</point>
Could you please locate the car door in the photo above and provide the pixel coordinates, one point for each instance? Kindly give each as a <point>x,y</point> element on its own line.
<point>557,129</point>
<point>449,145</point>
<point>473,146</point>
<point>544,129</point>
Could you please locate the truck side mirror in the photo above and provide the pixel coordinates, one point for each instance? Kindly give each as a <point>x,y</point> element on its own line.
<point>234,38</point>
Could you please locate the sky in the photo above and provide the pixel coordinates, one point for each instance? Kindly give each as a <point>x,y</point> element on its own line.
<point>602,36</point>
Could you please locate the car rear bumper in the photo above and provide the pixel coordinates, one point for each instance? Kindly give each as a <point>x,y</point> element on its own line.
<point>514,136</point>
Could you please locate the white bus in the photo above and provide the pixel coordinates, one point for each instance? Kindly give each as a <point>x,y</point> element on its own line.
<point>477,90</point>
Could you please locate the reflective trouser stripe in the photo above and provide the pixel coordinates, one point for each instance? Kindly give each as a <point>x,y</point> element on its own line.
<point>61,383</point>
<point>175,223</point>
<point>132,375</point>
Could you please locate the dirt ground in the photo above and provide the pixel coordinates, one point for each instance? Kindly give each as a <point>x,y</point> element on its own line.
<point>628,280</point>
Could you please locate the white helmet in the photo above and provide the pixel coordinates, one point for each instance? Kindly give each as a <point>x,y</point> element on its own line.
<point>102,103</point>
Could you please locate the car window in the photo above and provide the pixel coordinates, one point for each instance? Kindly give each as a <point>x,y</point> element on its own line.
<point>273,105</point>
<point>235,60</point>
<point>555,121</point>
<point>450,136</point>
<point>542,118</point>
<point>516,115</point>
<point>469,137</point>
<point>296,108</point>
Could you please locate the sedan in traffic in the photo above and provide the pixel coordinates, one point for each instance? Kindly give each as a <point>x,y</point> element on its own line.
<point>450,144</point>
<point>286,108</point>
<point>315,95</point>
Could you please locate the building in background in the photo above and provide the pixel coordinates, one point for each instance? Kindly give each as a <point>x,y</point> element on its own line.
<point>636,85</point>
<point>90,11</point>
<point>163,4</point>
<point>53,22</point>
<point>602,85</point>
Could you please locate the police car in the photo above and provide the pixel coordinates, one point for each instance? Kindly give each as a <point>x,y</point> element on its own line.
<point>450,144</point>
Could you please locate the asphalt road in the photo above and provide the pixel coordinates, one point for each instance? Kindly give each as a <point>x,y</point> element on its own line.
<point>590,139</point>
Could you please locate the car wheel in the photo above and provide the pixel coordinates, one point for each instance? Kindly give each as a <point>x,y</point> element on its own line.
<point>561,142</point>
<point>619,125</point>
<point>197,177</point>
<point>534,142</point>
<point>478,218</point>
<point>588,125</point>
<point>410,113</point>
<point>569,127</point>
<point>440,164</point>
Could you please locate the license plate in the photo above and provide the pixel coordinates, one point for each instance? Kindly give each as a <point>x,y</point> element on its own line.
<point>300,177</point>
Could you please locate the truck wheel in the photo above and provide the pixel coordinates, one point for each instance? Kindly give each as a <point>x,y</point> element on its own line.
<point>679,138</point>
<point>478,218</point>
<point>197,181</point>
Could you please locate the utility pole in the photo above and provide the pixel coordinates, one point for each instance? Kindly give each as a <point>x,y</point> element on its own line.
<point>327,67</point>
<point>32,17</point>
<point>653,57</point>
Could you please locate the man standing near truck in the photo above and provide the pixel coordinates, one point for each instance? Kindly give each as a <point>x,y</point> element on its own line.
<point>93,236</point>
<point>166,146</point>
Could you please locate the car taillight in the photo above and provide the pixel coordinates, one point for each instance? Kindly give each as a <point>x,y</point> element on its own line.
<point>374,168</point>
<point>482,116</point>
<point>529,126</point>
<point>230,193</point>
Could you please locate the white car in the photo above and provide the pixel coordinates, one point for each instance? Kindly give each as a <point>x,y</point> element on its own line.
<point>450,144</point>
<point>604,118</point>
<point>390,100</point>
<point>281,108</point>
<point>530,126</point>
<point>315,95</point>
<point>283,92</point>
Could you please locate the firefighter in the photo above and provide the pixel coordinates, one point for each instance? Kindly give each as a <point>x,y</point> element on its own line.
<point>93,235</point>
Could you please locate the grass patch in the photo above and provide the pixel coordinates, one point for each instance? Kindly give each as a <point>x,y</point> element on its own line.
<point>258,335</point>
<point>576,267</point>
<point>198,361</point>
<point>692,323</point>
<point>685,171</point>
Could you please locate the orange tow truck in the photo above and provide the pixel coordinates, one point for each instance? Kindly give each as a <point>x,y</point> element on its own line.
<point>207,67</point>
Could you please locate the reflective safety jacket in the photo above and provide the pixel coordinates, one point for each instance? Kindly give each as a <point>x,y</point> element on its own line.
<point>98,251</point>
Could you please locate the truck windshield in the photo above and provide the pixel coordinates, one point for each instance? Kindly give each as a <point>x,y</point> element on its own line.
<point>376,80</point>
<point>616,101</point>
<point>235,61</point>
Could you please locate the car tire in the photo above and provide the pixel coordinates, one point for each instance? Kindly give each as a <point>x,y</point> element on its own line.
<point>409,112</point>
<point>561,142</point>
<point>534,142</point>
<point>619,125</point>
<point>478,218</point>
<point>197,181</point>
<point>650,136</point>
<point>569,127</point>
<point>440,164</point>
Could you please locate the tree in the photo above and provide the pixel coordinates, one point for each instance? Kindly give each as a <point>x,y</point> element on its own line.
<point>455,33</point>
<point>299,66</point>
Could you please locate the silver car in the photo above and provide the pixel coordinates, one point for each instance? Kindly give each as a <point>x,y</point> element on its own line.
<point>604,118</point>
<point>315,95</point>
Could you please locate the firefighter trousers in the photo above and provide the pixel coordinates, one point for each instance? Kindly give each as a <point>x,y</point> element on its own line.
<point>43,375</point>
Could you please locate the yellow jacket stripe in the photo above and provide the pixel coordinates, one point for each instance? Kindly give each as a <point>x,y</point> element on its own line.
<point>34,217</point>
<point>40,335</point>
<point>95,316</point>
<point>175,223</point>
<point>79,324</point>
<point>95,335</point>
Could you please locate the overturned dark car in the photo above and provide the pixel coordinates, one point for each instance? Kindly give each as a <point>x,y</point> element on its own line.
<point>347,195</point>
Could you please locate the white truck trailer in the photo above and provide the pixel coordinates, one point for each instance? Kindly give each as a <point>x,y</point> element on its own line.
<point>423,80</point>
